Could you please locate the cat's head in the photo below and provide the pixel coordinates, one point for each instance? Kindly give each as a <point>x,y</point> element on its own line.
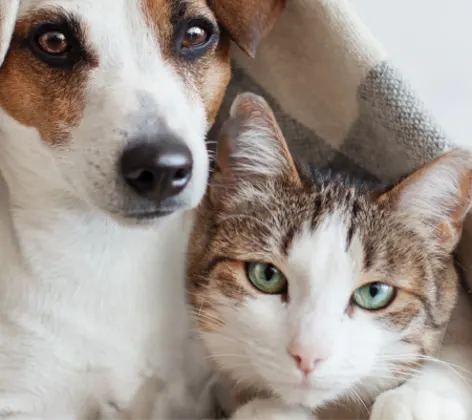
<point>311,286</point>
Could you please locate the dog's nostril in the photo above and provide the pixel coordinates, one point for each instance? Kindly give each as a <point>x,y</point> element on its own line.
<point>182,175</point>
<point>143,179</point>
<point>157,171</point>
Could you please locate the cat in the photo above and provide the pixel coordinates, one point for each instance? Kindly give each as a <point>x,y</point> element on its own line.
<point>311,288</point>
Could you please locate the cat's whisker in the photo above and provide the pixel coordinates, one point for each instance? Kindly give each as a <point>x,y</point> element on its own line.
<point>202,314</point>
<point>225,337</point>
<point>453,367</point>
<point>227,355</point>
<point>353,393</point>
<point>238,366</point>
<point>209,318</point>
<point>246,381</point>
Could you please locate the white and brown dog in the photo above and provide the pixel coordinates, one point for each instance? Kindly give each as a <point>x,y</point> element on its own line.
<point>104,107</point>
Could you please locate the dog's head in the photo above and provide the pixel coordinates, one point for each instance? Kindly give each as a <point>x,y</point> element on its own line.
<point>117,95</point>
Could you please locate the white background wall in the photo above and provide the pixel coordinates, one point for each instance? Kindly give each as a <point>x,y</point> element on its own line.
<point>431,42</point>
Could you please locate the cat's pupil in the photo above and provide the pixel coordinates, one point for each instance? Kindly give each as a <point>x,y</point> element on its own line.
<point>269,273</point>
<point>373,290</point>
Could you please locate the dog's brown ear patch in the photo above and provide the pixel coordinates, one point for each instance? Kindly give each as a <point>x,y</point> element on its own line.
<point>247,21</point>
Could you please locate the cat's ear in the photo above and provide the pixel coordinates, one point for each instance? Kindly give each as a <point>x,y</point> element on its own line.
<point>437,197</point>
<point>251,142</point>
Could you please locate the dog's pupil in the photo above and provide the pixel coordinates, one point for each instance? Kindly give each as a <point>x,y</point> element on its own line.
<point>54,42</point>
<point>195,35</point>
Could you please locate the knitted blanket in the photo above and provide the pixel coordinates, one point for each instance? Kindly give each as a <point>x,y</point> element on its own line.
<point>340,100</point>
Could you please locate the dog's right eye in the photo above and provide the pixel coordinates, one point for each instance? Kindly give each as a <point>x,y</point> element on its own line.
<point>55,45</point>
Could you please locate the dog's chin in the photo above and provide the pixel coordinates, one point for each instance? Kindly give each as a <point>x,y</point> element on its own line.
<point>141,216</point>
<point>145,218</point>
<point>137,211</point>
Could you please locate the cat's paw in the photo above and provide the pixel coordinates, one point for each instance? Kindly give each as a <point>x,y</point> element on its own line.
<point>410,403</point>
<point>271,410</point>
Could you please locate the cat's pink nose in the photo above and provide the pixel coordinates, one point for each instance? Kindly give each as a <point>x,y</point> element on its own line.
<point>306,366</point>
<point>305,360</point>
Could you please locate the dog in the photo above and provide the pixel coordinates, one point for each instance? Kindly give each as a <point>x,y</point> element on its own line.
<point>104,108</point>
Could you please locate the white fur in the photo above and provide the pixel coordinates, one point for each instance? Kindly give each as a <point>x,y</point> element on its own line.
<point>92,311</point>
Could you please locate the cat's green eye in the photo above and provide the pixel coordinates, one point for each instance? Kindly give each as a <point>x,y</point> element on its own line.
<point>374,296</point>
<point>266,278</point>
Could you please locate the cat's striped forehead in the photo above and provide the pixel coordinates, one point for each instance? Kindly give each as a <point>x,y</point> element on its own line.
<point>264,217</point>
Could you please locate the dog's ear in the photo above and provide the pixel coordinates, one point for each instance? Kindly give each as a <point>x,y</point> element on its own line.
<point>8,13</point>
<point>247,21</point>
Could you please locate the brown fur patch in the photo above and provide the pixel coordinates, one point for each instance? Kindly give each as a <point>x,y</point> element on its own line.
<point>208,75</point>
<point>228,275</point>
<point>159,16</point>
<point>49,99</point>
<point>248,21</point>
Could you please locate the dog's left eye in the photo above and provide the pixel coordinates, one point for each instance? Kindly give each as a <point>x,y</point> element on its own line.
<point>194,36</point>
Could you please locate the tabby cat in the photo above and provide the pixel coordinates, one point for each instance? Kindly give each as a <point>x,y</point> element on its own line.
<point>311,288</point>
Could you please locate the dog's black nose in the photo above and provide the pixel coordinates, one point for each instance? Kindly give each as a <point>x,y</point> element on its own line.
<point>157,171</point>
